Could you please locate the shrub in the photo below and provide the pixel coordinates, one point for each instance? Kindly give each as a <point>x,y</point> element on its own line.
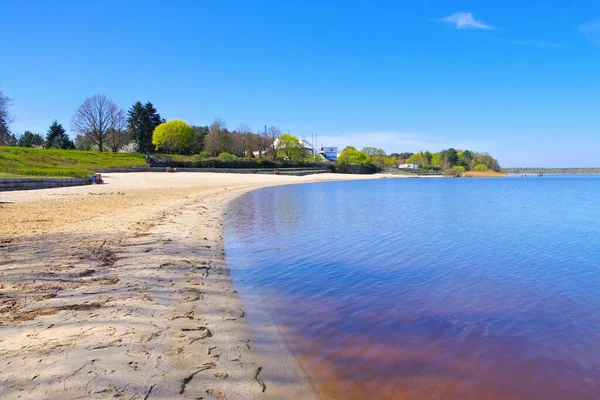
<point>356,169</point>
<point>227,157</point>
<point>453,172</point>
<point>481,168</point>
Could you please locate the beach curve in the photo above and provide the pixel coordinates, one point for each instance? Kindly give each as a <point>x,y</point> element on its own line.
<point>123,289</point>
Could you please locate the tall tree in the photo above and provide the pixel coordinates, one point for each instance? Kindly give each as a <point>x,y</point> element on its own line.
<point>247,140</point>
<point>118,135</point>
<point>218,139</point>
<point>198,135</point>
<point>95,118</point>
<point>57,137</point>
<point>6,137</point>
<point>142,120</point>
<point>272,136</point>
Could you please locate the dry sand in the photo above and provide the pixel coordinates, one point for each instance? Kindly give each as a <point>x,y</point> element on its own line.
<point>121,291</point>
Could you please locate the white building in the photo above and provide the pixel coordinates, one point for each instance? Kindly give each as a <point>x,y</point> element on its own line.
<point>330,153</point>
<point>408,166</point>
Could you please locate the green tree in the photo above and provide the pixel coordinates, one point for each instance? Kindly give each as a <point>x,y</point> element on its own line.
<point>448,158</point>
<point>29,139</point>
<point>466,158</point>
<point>481,168</point>
<point>491,162</point>
<point>290,148</point>
<point>57,138</point>
<point>373,151</point>
<point>199,133</point>
<point>142,120</point>
<point>417,158</point>
<point>352,156</point>
<point>172,136</point>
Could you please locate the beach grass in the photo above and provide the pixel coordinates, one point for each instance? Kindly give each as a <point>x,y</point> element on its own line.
<point>483,174</point>
<point>32,162</point>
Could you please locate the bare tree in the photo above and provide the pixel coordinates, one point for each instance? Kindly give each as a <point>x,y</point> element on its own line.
<point>218,139</point>
<point>96,118</point>
<point>247,139</point>
<point>6,137</point>
<point>118,135</point>
<point>271,136</point>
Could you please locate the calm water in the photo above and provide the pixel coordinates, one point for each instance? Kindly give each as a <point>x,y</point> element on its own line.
<point>430,288</point>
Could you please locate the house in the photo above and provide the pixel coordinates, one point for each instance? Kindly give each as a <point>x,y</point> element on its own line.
<point>329,153</point>
<point>408,166</point>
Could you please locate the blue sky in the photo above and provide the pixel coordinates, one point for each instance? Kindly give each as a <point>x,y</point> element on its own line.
<point>518,79</point>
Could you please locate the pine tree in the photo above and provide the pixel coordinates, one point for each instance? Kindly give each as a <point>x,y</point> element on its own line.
<point>142,120</point>
<point>57,137</point>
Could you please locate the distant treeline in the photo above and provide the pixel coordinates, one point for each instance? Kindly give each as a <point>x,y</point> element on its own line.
<point>551,170</point>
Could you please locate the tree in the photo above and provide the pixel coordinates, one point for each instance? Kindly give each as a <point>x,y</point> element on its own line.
<point>485,158</point>
<point>172,136</point>
<point>142,120</point>
<point>6,137</point>
<point>95,118</point>
<point>271,137</point>
<point>352,156</point>
<point>448,158</point>
<point>466,158</point>
<point>82,143</point>
<point>290,148</point>
<point>118,135</point>
<point>247,139</point>
<point>373,151</point>
<point>218,139</point>
<point>29,139</point>
<point>198,135</point>
<point>57,138</point>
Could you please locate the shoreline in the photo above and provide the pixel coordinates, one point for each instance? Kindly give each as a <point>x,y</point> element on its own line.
<point>122,289</point>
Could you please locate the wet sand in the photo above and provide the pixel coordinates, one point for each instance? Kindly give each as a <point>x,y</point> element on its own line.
<point>122,290</point>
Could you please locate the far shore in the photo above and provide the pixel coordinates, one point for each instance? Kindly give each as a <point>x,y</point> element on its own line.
<point>122,290</point>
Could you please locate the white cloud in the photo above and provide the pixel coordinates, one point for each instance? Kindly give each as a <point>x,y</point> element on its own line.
<point>464,20</point>
<point>398,142</point>
<point>592,32</point>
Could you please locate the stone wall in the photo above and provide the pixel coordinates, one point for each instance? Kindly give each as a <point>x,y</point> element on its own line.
<point>40,183</point>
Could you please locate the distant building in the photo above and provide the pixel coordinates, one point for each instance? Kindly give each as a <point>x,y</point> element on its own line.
<point>330,153</point>
<point>408,166</point>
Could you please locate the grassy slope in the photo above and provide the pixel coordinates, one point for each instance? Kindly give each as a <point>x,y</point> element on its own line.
<point>21,161</point>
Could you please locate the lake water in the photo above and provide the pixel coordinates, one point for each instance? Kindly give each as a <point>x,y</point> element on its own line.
<point>430,288</point>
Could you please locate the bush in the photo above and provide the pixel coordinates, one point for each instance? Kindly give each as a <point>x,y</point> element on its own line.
<point>227,157</point>
<point>356,168</point>
<point>453,172</point>
<point>481,168</point>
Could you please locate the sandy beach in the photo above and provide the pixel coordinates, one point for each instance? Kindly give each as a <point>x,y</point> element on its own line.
<point>122,290</point>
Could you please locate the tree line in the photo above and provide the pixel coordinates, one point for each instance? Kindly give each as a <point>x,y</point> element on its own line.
<point>102,125</point>
<point>451,161</point>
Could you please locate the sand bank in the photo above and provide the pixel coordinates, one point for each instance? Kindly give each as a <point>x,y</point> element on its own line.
<point>121,290</point>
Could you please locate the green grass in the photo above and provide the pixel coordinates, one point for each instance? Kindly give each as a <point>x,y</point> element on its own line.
<point>23,161</point>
